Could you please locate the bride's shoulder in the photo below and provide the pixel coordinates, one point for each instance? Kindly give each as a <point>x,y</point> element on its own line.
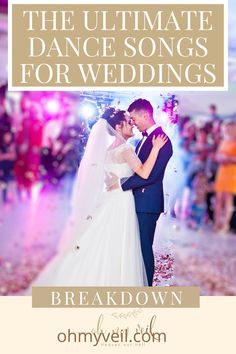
<point>122,147</point>
<point>125,147</point>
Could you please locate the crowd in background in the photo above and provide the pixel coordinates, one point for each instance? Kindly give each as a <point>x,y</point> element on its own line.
<point>28,155</point>
<point>209,160</point>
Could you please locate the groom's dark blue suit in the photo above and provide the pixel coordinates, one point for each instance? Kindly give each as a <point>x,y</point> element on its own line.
<point>149,198</point>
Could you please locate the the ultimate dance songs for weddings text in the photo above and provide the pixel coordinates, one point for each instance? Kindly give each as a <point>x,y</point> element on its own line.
<point>122,45</point>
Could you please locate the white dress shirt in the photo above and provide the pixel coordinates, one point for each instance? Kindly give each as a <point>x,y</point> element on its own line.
<point>148,131</point>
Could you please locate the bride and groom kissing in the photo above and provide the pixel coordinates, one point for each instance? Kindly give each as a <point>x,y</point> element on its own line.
<point>117,200</point>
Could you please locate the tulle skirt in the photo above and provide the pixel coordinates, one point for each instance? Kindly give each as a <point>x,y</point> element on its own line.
<point>106,253</point>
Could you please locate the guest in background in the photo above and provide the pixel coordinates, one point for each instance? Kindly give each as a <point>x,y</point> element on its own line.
<point>7,160</point>
<point>5,118</point>
<point>213,112</point>
<point>200,149</point>
<point>198,205</point>
<point>225,185</point>
<point>29,143</point>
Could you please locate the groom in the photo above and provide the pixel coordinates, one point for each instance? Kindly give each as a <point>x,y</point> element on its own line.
<point>148,193</point>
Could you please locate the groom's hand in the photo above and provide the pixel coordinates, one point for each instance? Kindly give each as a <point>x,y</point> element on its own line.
<point>111,181</point>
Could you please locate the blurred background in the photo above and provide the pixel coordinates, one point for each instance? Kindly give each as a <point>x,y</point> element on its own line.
<point>42,141</point>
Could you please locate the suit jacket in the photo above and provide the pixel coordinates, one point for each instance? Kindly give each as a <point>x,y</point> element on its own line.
<point>148,193</point>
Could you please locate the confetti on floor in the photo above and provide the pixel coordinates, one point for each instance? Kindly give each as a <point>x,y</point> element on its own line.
<point>30,232</point>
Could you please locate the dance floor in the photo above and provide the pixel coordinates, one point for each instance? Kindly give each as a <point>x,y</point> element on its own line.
<point>195,258</point>
<point>30,230</point>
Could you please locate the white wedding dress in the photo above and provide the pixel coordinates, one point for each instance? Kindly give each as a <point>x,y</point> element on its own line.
<point>107,252</point>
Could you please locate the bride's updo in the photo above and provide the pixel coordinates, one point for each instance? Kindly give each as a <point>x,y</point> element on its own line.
<point>113,116</point>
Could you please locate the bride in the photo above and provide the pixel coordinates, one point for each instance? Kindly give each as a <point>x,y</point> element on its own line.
<point>101,245</point>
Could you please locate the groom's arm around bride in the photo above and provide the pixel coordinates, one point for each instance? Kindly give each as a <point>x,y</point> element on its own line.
<point>148,193</point>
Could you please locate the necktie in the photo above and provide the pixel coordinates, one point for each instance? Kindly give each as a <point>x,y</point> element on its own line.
<point>144,133</point>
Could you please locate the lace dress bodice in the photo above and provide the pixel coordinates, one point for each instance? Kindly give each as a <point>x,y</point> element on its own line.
<point>116,163</point>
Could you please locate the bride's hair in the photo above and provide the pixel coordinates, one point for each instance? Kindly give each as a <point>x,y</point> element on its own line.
<point>113,116</point>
